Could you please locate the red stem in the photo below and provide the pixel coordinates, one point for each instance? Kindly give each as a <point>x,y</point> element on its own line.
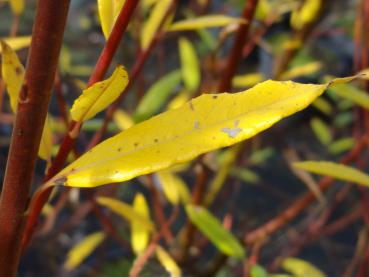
<point>236,54</point>
<point>33,103</point>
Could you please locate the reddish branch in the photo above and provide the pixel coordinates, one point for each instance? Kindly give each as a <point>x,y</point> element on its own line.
<point>32,109</point>
<point>236,52</point>
<point>68,142</point>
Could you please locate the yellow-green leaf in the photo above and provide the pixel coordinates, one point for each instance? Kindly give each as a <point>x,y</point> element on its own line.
<point>174,188</point>
<point>97,97</point>
<point>321,130</point>
<point>157,94</point>
<point>152,24</point>
<point>301,268</point>
<point>83,249</point>
<point>180,99</point>
<point>17,6</point>
<point>17,43</point>
<point>108,12</point>
<point>139,234</point>
<point>347,91</point>
<point>306,14</point>
<point>189,64</point>
<point>182,134</point>
<point>302,70</point>
<point>46,143</point>
<point>338,171</point>
<point>126,211</point>
<point>12,72</point>
<point>167,262</point>
<point>341,145</point>
<point>215,232</point>
<point>207,21</point>
<point>247,80</point>
<point>123,120</point>
<point>323,105</point>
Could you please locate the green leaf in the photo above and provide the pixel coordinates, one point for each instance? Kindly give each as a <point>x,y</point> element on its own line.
<point>258,271</point>
<point>97,97</point>
<point>338,171</point>
<point>347,91</point>
<point>184,133</point>
<point>215,232</point>
<point>189,65</point>
<point>301,268</point>
<point>341,145</point>
<point>321,130</point>
<point>157,94</point>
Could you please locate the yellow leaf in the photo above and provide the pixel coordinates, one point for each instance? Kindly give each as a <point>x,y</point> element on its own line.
<point>140,235</point>
<point>12,72</point>
<point>174,188</point>
<point>338,171</point>
<point>302,70</point>
<point>301,268</point>
<point>83,249</point>
<point>148,3</point>
<point>207,21</point>
<point>167,262</point>
<point>321,130</point>
<point>108,12</point>
<point>323,105</point>
<point>182,134</point>
<point>306,14</point>
<point>152,24</point>
<point>126,211</point>
<point>17,6</point>
<point>189,64</point>
<point>179,100</point>
<point>17,43</point>
<point>122,119</point>
<point>97,97</point>
<point>46,143</point>
<point>247,80</point>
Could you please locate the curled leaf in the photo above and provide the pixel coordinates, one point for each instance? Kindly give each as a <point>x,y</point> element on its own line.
<point>17,43</point>
<point>139,234</point>
<point>215,232</point>
<point>207,21</point>
<point>83,249</point>
<point>97,97</point>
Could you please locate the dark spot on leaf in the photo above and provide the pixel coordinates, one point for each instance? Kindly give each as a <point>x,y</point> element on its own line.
<point>60,181</point>
<point>119,149</point>
<point>191,105</point>
<point>156,140</point>
<point>18,70</point>
<point>136,144</point>
<point>215,96</point>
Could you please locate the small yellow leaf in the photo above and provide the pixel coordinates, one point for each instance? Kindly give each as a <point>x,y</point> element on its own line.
<point>182,134</point>
<point>306,14</point>
<point>17,6</point>
<point>12,72</point>
<point>301,268</point>
<point>207,21</point>
<point>302,70</point>
<point>321,130</point>
<point>189,65</point>
<point>167,262</point>
<point>17,43</point>
<point>247,80</point>
<point>152,24</point>
<point>181,98</point>
<point>214,231</point>
<point>139,234</point>
<point>323,105</point>
<point>126,211</point>
<point>83,249</point>
<point>97,97</point>
<point>108,12</point>
<point>174,188</point>
<point>338,171</point>
<point>46,143</point>
<point>123,120</point>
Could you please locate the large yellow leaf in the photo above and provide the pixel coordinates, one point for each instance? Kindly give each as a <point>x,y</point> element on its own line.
<point>108,12</point>
<point>139,234</point>
<point>12,72</point>
<point>301,268</point>
<point>203,124</point>
<point>17,43</point>
<point>189,64</point>
<point>83,249</point>
<point>97,97</point>
<point>17,6</point>
<point>338,171</point>
<point>126,211</point>
<point>152,24</point>
<point>206,21</point>
<point>168,262</point>
<point>215,232</point>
